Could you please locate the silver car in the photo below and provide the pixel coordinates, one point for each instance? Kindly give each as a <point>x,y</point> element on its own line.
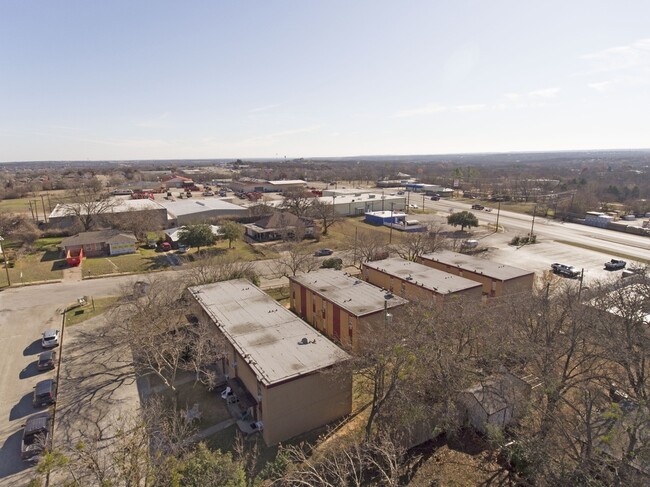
<point>50,338</point>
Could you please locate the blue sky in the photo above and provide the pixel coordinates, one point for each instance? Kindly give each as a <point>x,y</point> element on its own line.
<point>210,79</point>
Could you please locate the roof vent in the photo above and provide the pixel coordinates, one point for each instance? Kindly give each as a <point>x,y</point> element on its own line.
<point>304,341</point>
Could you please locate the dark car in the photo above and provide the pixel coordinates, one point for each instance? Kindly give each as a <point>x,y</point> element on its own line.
<point>476,206</point>
<point>322,252</point>
<point>44,393</point>
<point>46,360</point>
<point>615,265</point>
<point>36,436</point>
<point>435,197</point>
<point>565,270</point>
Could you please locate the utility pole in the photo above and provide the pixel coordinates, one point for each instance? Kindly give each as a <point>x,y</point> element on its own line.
<point>532,225</point>
<point>498,213</point>
<point>44,213</point>
<point>4,257</point>
<point>31,209</point>
<point>392,222</point>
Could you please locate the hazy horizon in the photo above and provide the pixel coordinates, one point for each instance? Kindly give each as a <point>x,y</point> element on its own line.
<point>165,80</point>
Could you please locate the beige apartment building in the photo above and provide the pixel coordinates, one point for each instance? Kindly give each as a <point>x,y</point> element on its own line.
<point>284,367</point>
<point>414,281</point>
<point>497,279</point>
<point>342,307</point>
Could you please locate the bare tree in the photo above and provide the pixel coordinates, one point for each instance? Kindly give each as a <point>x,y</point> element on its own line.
<point>164,336</point>
<point>368,246</point>
<point>294,258</point>
<point>413,245</point>
<point>326,213</point>
<point>297,201</point>
<point>88,202</point>
<point>208,269</point>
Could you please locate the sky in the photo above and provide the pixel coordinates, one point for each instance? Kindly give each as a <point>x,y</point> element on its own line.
<point>145,79</point>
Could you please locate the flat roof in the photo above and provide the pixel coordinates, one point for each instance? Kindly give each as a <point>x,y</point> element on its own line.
<point>353,295</point>
<point>361,198</point>
<point>287,181</point>
<point>386,214</point>
<point>470,263</point>
<point>432,279</point>
<point>119,205</point>
<point>190,206</point>
<point>265,333</point>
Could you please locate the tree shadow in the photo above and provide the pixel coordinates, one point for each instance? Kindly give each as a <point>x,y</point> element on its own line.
<point>30,371</point>
<point>50,255</point>
<point>33,348</point>
<point>10,454</point>
<point>59,265</point>
<point>156,262</point>
<point>23,408</point>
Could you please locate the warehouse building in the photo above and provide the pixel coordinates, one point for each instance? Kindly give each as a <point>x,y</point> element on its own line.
<point>358,204</point>
<point>188,211</point>
<point>283,366</point>
<point>415,281</point>
<point>497,279</point>
<point>64,215</point>
<point>342,307</point>
<point>254,185</point>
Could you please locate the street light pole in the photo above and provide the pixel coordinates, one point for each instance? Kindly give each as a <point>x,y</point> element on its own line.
<point>498,213</point>
<point>4,257</point>
<point>532,225</point>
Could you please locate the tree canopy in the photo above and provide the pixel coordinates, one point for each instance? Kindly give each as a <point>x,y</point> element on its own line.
<point>463,218</point>
<point>198,236</point>
<point>231,231</point>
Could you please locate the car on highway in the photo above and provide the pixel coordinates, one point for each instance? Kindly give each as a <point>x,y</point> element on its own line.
<point>46,360</point>
<point>435,197</point>
<point>44,393</point>
<point>36,436</point>
<point>322,252</point>
<point>565,270</point>
<point>50,338</point>
<point>615,265</point>
<point>476,206</point>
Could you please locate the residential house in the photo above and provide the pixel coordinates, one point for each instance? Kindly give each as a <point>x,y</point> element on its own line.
<point>283,368</point>
<point>497,279</point>
<point>100,243</point>
<point>279,225</point>
<point>342,307</point>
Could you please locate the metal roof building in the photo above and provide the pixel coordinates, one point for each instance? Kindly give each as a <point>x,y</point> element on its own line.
<point>187,211</point>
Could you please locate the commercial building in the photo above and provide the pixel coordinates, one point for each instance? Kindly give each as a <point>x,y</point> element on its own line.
<point>429,189</point>
<point>340,306</point>
<point>384,217</point>
<point>254,185</point>
<point>283,364</point>
<point>188,211</point>
<point>64,215</point>
<point>361,203</point>
<point>497,279</point>
<point>415,281</point>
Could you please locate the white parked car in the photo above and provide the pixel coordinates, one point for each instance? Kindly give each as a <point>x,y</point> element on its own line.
<point>413,205</point>
<point>50,338</point>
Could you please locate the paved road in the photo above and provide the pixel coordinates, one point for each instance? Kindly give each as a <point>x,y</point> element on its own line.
<point>24,314</point>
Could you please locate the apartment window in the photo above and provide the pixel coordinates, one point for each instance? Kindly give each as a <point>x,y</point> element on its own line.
<point>324,311</point>
<point>390,285</point>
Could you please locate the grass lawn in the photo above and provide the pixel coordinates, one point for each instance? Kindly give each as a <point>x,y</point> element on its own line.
<point>280,294</point>
<point>91,309</point>
<point>21,205</point>
<point>37,266</point>
<point>144,260</point>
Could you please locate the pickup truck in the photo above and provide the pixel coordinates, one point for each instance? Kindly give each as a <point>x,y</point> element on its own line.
<point>615,265</point>
<point>476,206</point>
<point>565,270</point>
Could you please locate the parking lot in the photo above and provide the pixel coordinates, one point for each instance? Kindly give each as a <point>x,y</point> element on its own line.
<point>24,314</point>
